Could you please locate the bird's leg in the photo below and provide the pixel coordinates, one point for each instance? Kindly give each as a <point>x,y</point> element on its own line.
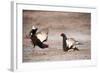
<point>33,44</point>
<point>76,49</point>
<point>66,49</point>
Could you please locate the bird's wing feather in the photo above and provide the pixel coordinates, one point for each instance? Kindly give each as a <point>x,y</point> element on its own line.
<point>41,36</point>
<point>70,42</point>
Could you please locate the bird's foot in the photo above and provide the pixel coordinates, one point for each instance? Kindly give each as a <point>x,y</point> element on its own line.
<point>76,49</point>
<point>66,49</point>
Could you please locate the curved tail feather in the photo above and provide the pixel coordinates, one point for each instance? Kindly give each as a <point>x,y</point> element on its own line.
<point>43,46</point>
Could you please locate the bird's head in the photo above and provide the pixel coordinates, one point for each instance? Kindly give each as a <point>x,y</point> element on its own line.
<point>33,31</point>
<point>63,35</point>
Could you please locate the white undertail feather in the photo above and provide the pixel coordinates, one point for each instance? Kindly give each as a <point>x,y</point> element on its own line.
<point>71,42</point>
<point>42,36</point>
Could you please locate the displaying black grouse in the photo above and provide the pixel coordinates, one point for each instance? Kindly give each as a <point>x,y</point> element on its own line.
<point>38,38</point>
<point>69,43</point>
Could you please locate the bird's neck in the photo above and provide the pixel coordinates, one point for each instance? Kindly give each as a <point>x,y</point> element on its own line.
<point>64,42</point>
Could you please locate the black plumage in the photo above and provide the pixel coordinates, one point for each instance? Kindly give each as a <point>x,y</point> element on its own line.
<point>36,38</point>
<point>69,43</point>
